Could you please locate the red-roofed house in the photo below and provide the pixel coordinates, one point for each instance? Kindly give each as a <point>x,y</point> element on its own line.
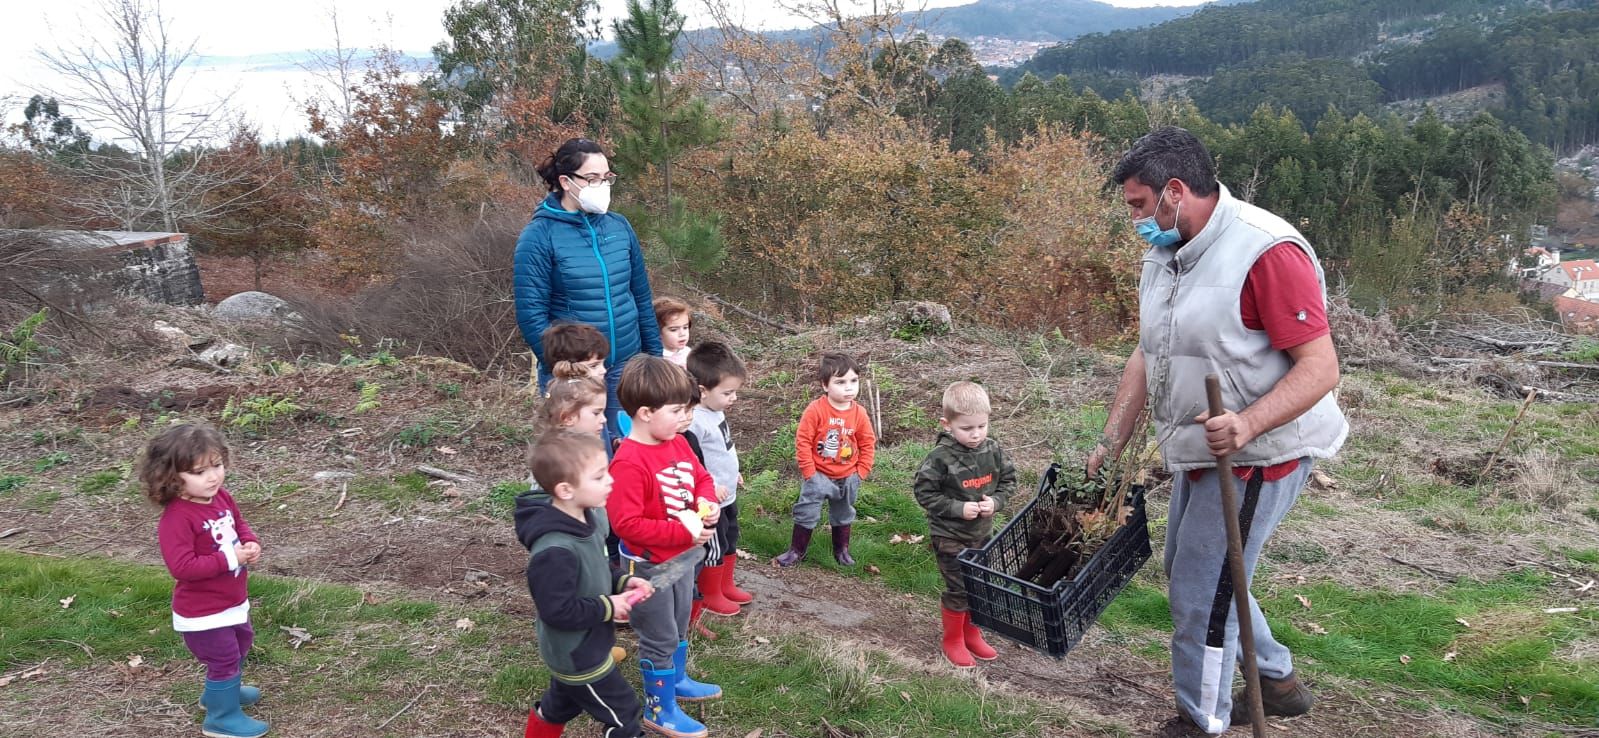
<point>1577,314</point>
<point>1581,275</point>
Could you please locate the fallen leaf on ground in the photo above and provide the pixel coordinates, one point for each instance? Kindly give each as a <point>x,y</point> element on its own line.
<point>741,553</point>
<point>905,695</point>
<point>872,569</point>
<point>756,733</point>
<point>1316,628</point>
<point>113,614</point>
<point>1526,700</point>
<point>446,450</point>
<point>135,661</point>
<point>297,636</point>
<point>66,603</point>
<point>1404,658</point>
<point>369,598</point>
<point>1303,601</point>
<point>29,674</point>
<point>763,640</point>
<point>1463,622</point>
<point>465,624</point>
<point>1450,656</point>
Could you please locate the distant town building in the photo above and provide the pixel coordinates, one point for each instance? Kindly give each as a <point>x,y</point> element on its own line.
<point>1577,314</point>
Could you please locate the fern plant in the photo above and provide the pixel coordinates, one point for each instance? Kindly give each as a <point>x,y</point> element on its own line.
<point>369,398</point>
<point>21,343</point>
<point>256,413</point>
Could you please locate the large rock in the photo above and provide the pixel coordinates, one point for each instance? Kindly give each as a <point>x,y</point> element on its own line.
<point>253,306</point>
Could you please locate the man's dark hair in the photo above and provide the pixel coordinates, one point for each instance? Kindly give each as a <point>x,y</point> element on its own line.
<point>1165,154</point>
<point>712,361</point>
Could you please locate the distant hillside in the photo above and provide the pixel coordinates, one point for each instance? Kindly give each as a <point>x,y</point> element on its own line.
<point>1019,20</point>
<point>1360,56</point>
<point>1043,20</point>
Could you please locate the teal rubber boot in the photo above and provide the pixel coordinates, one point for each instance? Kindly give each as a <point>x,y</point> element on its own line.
<point>223,716</point>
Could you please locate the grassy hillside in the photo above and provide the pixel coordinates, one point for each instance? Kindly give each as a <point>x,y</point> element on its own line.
<point>1417,594</point>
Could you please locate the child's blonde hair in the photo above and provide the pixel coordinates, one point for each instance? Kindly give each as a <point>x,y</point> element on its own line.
<point>178,449</point>
<point>965,398</point>
<point>559,455</point>
<point>571,390</point>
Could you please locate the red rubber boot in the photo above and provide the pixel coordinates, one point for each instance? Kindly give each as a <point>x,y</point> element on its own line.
<point>729,589</point>
<point>974,640</point>
<point>538,728</point>
<point>710,585</point>
<point>955,639</point>
<point>696,625</point>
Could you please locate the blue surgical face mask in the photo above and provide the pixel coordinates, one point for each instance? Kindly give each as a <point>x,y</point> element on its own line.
<point>1150,231</point>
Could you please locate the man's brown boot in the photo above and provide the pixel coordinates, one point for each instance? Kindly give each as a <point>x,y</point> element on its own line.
<point>1284,697</point>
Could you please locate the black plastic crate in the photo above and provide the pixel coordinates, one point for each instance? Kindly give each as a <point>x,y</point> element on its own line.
<point>1051,620</point>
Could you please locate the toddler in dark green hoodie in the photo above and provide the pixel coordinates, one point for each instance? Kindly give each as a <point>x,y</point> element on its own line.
<point>964,480</point>
<point>578,596</point>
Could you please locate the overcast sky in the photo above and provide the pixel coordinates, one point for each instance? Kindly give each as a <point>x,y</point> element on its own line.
<point>290,25</point>
<point>236,29</point>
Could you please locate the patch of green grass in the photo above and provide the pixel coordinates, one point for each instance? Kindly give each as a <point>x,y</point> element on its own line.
<point>1582,555</point>
<point>885,507</point>
<point>514,435</point>
<point>425,433</point>
<point>394,491</point>
<point>99,482</point>
<point>1584,350</point>
<point>865,694</point>
<point>268,491</point>
<point>501,500</point>
<point>52,460</point>
<point>1316,508</point>
<point>776,380</point>
<point>43,501</point>
<point>1508,652</point>
<point>790,684</point>
<point>12,482</point>
<point>775,454</point>
<point>118,609</point>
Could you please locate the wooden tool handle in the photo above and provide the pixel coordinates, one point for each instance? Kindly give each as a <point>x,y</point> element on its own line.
<point>1235,564</point>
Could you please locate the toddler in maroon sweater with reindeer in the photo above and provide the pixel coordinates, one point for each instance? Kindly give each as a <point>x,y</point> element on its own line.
<point>206,546</point>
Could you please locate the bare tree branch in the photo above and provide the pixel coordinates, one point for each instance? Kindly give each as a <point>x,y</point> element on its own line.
<point>130,79</point>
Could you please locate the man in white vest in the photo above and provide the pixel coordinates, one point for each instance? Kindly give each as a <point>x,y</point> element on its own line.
<point>1233,290</point>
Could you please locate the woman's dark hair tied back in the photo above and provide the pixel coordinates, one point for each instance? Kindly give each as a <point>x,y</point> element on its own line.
<point>566,160</point>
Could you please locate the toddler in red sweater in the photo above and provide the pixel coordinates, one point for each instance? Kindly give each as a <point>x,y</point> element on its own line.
<point>655,507</point>
<point>207,546</point>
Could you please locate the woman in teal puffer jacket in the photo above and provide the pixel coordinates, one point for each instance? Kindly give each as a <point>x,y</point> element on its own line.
<point>577,261</point>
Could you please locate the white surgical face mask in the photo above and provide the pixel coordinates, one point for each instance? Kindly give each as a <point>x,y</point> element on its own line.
<point>595,198</point>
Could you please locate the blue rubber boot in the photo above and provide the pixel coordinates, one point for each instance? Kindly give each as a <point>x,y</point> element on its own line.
<point>689,690</point>
<point>661,713</point>
<point>248,695</point>
<point>223,718</point>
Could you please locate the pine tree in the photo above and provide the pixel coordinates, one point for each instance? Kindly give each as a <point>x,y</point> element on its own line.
<point>659,120</point>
